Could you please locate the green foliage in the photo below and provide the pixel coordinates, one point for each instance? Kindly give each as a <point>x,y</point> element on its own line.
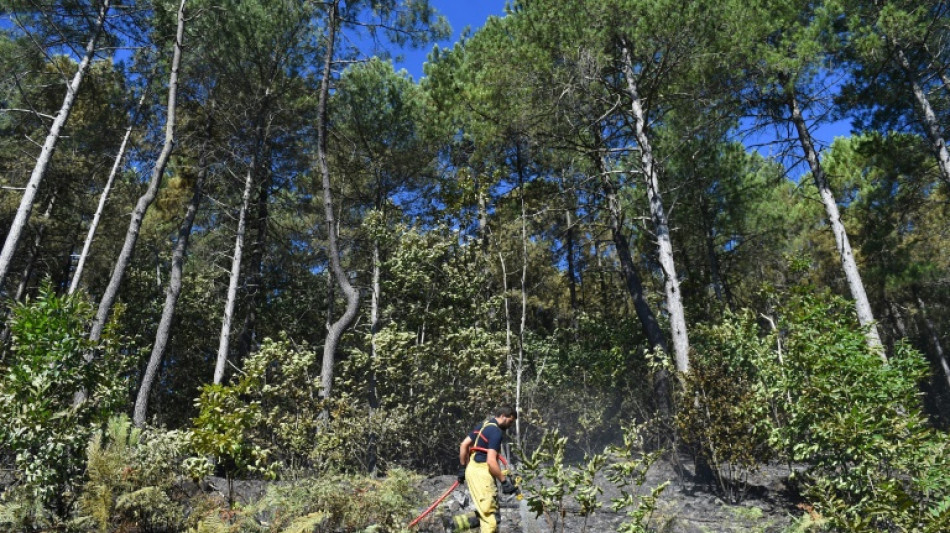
<point>279,381</point>
<point>815,392</point>
<point>551,485</point>
<point>130,473</point>
<point>325,504</point>
<point>39,422</point>
<point>151,509</point>
<point>222,430</point>
<point>436,366</point>
<point>720,414</point>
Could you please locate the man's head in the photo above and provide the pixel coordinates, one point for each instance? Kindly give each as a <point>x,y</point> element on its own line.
<point>505,415</point>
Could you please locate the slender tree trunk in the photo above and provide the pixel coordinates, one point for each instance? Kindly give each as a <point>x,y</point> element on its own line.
<point>256,264</point>
<point>898,320</point>
<point>648,321</point>
<point>482,200</point>
<point>939,354</point>
<point>722,291</point>
<point>862,305</point>
<point>336,330</point>
<point>375,326</point>
<point>571,269</point>
<point>519,370</point>
<point>29,266</point>
<point>674,299</point>
<point>163,334</point>
<point>46,153</point>
<point>504,288</point>
<point>138,215</point>
<point>927,115</point>
<point>94,225</point>
<point>35,250</point>
<point>225,337</point>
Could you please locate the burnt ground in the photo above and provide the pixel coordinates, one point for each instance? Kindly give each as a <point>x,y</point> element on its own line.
<point>767,506</point>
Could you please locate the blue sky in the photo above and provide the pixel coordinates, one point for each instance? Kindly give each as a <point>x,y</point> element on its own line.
<point>460,13</point>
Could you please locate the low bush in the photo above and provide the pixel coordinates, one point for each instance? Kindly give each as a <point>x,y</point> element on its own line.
<point>39,423</point>
<point>809,390</point>
<point>553,488</point>
<point>720,415</point>
<point>326,504</point>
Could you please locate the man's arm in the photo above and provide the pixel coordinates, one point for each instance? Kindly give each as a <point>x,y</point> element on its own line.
<point>464,449</point>
<point>493,466</point>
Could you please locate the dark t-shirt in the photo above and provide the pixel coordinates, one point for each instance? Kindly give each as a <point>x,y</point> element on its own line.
<point>490,439</point>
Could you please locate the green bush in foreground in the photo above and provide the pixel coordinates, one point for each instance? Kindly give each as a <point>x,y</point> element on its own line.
<point>39,423</point>
<point>130,474</point>
<point>810,391</point>
<point>325,504</point>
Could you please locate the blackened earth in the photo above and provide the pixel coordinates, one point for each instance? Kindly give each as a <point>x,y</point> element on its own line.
<point>764,503</point>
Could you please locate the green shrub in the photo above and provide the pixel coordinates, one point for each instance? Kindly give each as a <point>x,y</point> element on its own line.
<point>721,415</point>
<point>326,504</point>
<point>551,485</point>
<point>223,430</point>
<point>129,473</point>
<point>812,392</point>
<point>38,422</point>
<point>873,461</point>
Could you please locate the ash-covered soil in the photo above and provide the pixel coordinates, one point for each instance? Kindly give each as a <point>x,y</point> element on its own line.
<point>766,506</point>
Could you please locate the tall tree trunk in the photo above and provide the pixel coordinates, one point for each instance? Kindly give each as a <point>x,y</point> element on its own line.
<point>862,305</point>
<point>375,326</point>
<point>138,215</point>
<point>674,299</point>
<point>336,330</point>
<point>939,354</point>
<point>46,153</point>
<point>504,291</point>
<point>722,291</point>
<point>571,269</point>
<point>256,264</point>
<point>224,340</point>
<point>94,225</point>
<point>648,321</point>
<point>163,333</point>
<point>519,369</point>
<point>34,250</point>
<point>927,115</point>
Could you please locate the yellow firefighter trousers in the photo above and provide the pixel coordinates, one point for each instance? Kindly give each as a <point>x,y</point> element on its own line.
<point>481,485</point>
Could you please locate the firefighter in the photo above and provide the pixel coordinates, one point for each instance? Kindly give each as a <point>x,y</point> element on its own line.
<point>479,454</point>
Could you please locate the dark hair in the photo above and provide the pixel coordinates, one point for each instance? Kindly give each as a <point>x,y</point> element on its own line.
<point>506,410</point>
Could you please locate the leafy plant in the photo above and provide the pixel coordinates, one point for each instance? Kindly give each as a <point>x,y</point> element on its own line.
<point>721,414</point>
<point>324,504</point>
<point>554,489</point>
<point>222,430</point>
<point>39,422</point>
<point>130,473</point>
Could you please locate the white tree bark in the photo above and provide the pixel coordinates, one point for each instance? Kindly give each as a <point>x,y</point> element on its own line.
<point>138,215</point>
<point>375,325</point>
<point>336,330</point>
<point>225,337</point>
<point>940,355</point>
<point>927,116</point>
<point>674,300</point>
<point>856,286</point>
<point>46,153</point>
<point>94,225</point>
<point>163,333</point>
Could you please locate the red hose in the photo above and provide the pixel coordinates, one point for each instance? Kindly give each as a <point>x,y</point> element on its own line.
<point>434,505</point>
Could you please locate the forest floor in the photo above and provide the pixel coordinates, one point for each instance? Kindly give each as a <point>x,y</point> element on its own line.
<point>767,506</point>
